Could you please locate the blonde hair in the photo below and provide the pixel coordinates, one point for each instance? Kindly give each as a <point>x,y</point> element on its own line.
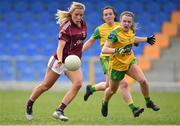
<point>131,14</point>
<point>63,16</point>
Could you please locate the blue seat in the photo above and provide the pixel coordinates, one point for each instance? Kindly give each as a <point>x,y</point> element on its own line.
<point>143,18</point>
<point>25,74</point>
<point>24,70</point>
<point>3,28</point>
<point>7,70</point>
<point>136,7</point>
<point>37,7</point>
<point>19,28</point>
<point>34,29</point>
<point>28,17</point>
<point>138,51</point>
<point>85,66</point>
<point>153,8</point>
<point>39,68</point>
<point>53,6</point>
<point>21,6</point>
<point>99,75</point>
<point>6,6</point>
<point>48,49</point>
<point>43,18</point>
<point>14,50</point>
<point>11,17</point>
<point>169,7</point>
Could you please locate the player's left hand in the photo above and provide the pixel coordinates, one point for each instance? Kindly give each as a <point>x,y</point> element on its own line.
<point>151,40</point>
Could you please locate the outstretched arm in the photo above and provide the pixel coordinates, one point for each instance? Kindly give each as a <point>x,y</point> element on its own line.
<point>140,39</point>
<point>88,44</point>
<point>151,39</point>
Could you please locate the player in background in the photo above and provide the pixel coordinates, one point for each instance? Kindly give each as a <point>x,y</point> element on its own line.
<point>72,33</point>
<point>102,32</point>
<point>123,61</point>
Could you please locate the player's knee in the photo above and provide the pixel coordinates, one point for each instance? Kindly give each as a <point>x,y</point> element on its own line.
<point>106,85</point>
<point>78,84</point>
<point>44,87</point>
<point>123,85</point>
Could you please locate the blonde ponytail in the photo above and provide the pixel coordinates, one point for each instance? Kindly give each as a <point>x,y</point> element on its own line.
<point>63,16</point>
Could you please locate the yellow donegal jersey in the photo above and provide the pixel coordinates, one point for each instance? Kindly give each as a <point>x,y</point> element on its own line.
<point>102,33</point>
<point>118,39</point>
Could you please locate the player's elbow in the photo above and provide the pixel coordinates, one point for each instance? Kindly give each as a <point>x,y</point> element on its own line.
<point>104,50</point>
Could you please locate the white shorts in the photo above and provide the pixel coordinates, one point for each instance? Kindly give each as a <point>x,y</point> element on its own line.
<point>52,65</point>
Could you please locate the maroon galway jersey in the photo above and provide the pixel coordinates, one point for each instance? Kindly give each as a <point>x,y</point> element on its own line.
<point>74,37</point>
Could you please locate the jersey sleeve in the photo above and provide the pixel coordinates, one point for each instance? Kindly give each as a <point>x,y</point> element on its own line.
<point>112,37</point>
<point>63,36</point>
<point>96,34</point>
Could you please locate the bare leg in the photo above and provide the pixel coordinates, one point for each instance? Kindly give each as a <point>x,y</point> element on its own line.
<point>48,82</point>
<point>97,87</point>
<point>136,73</point>
<point>102,85</point>
<point>123,87</point>
<point>76,77</point>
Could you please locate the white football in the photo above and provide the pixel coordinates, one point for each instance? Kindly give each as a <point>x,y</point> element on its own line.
<point>72,62</point>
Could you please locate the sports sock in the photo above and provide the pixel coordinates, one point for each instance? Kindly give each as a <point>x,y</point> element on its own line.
<point>61,107</point>
<point>147,99</point>
<point>132,106</point>
<point>93,88</point>
<point>30,103</point>
<point>105,103</point>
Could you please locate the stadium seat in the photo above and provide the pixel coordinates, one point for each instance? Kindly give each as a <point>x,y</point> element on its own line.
<point>6,6</point>
<point>11,17</point>
<point>169,29</point>
<point>151,52</point>
<point>6,73</point>
<point>162,40</point>
<point>3,29</point>
<point>136,7</point>
<point>21,6</point>
<point>160,17</point>
<point>37,7</point>
<point>39,68</point>
<point>175,17</point>
<point>153,8</point>
<point>43,18</point>
<point>144,63</point>
<point>169,7</point>
<point>27,18</point>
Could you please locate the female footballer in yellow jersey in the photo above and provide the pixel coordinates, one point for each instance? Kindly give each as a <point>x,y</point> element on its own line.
<point>123,61</point>
<point>102,32</point>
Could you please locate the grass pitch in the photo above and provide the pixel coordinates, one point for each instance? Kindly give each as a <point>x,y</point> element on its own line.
<point>12,109</point>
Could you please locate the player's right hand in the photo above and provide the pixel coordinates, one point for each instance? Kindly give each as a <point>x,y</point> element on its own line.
<point>119,50</point>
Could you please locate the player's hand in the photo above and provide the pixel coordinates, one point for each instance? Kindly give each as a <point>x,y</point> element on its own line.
<point>125,49</point>
<point>58,63</point>
<point>151,40</point>
<point>119,50</point>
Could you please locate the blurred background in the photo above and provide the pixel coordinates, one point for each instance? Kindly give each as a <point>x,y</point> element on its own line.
<point>29,36</point>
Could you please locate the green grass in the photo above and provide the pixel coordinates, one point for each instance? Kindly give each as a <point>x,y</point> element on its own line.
<point>12,109</point>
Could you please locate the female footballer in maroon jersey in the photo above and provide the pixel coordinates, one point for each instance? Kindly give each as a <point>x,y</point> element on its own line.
<point>71,36</point>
